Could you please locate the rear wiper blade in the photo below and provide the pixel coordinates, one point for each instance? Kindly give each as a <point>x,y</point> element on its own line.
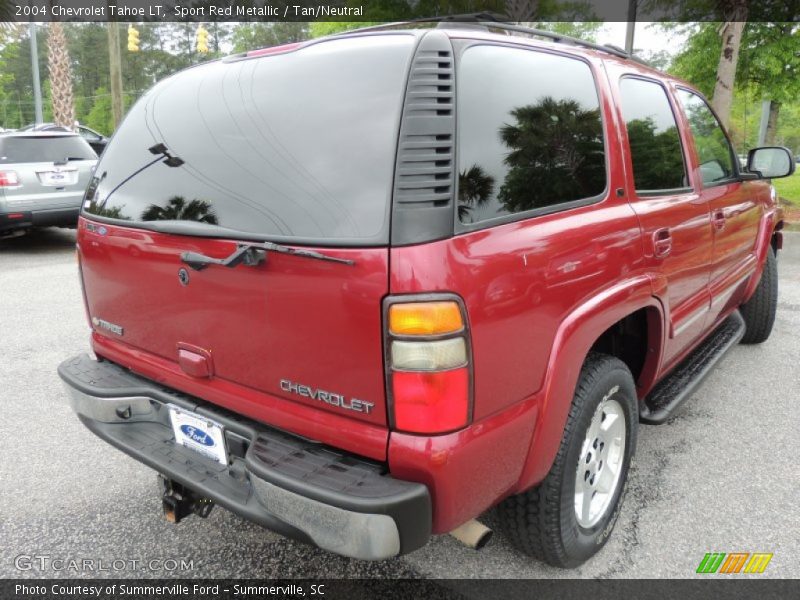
<point>252,255</point>
<point>273,247</point>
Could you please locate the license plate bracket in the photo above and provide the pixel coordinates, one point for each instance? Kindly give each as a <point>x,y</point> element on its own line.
<point>59,178</point>
<point>201,434</point>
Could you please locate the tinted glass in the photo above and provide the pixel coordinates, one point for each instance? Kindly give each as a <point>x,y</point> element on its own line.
<point>713,149</point>
<point>530,132</point>
<point>292,146</point>
<point>655,145</point>
<point>44,149</point>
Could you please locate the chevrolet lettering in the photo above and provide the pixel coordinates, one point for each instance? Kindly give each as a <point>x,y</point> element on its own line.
<point>327,397</point>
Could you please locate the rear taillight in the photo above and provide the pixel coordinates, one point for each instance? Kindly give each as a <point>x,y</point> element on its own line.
<point>9,179</point>
<point>429,370</point>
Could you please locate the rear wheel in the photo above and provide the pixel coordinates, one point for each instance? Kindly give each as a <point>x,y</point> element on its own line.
<point>567,518</point>
<point>759,312</point>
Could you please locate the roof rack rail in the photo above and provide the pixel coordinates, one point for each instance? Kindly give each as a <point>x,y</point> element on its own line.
<point>490,20</point>
<point>474,18</point>
<point>565,39</point>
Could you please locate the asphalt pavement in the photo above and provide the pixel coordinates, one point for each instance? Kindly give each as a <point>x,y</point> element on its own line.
<point>721,476</point>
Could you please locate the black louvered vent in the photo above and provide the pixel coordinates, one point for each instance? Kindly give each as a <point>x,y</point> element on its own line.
<point>424,185</point>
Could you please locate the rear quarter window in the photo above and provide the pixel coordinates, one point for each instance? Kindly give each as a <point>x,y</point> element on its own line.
<point>530,133</point>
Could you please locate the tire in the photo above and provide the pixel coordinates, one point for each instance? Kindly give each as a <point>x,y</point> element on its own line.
<point>759,312</point>
<point>543,522</point>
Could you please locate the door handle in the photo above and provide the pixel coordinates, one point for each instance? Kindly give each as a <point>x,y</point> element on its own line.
<point>662,243</point>
<point>719,220</point>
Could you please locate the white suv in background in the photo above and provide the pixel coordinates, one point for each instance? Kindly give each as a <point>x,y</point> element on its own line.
<point>42,179</point>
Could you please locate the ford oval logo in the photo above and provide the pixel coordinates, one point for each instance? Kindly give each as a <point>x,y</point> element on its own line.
<point>197,435</point>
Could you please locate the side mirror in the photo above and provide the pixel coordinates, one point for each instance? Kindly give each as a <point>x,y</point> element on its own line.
<point>770,162</point>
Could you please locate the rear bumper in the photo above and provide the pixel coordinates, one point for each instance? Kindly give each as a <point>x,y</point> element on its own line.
<point>56,217</point>
<point>295,487</point>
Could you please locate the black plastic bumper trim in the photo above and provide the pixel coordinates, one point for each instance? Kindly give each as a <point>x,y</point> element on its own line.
<point>302,467</point>
<point>247,506</point>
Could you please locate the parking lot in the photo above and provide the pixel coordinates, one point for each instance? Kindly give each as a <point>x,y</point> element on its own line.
<point>722,476</point>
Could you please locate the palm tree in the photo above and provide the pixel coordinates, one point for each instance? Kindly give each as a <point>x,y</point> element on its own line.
<point>60,76</point>
<point>178,209</point>
<point>475,187</point>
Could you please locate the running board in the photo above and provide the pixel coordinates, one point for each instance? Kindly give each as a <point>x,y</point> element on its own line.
<point>684,380</point>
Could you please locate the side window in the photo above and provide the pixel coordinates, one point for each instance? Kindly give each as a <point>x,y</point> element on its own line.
<point>713,148</point>
<point>653,137</point>
<point>530,134</point>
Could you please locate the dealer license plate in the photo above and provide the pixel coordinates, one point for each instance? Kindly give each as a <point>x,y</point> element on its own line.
<point>59,178</point>
<point>199,433</point>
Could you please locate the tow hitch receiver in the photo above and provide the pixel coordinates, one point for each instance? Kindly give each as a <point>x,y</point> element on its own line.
<point>180,502</point>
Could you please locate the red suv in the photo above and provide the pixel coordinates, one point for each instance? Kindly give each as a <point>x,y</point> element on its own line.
<point>361,289</point>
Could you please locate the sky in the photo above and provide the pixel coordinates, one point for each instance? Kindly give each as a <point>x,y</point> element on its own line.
<point>648,37</point>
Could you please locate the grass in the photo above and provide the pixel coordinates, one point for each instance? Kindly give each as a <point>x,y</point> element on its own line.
<point>789,188</point>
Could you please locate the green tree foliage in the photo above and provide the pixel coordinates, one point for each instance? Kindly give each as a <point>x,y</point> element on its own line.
<point>695,62</point>
<point>396,10</point>
<point>768,68</point>
<point>89,53</point>
<point>249,36</point>
<point>16,98</point>
<point>788,133</point>
<point>769,59</point>
<point>165,48</point>
<point>657,156</point>
<point>584,30</point>
<point>6,78</point>
<point>101,117</point>
<point>323,28</point>
<point>746,119</point>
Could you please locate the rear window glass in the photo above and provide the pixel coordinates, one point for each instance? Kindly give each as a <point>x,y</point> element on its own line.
<point>297,146</point>
<point>44,149</point>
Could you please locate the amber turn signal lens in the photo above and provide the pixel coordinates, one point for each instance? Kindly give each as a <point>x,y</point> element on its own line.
<point>425,318</point>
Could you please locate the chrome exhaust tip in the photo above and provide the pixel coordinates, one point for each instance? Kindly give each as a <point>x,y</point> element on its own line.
<point>473,534</point>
